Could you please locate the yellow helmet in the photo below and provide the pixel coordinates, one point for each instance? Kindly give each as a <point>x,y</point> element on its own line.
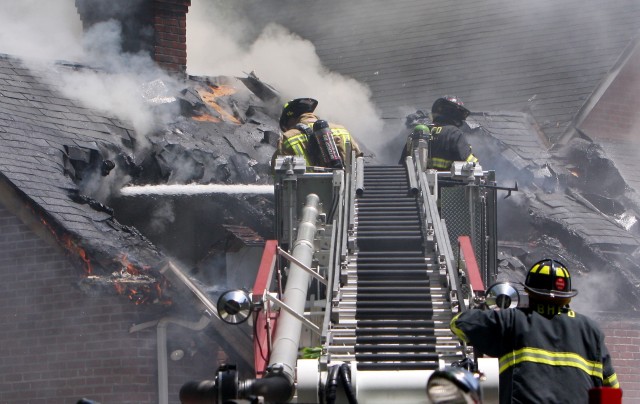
<point>549,280</point>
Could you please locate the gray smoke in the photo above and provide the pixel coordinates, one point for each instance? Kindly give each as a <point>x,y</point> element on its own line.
<point>40,30</point>
<point>220,42</point>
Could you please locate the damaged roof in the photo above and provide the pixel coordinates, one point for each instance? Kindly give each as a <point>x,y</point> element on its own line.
<point>533,63</point>
<point>43,135</point>
<point>63,163</point>
<point>571,203</point>
<point>544,57</point>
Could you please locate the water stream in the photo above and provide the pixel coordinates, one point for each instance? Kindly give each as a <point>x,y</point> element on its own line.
<point>196,189</point>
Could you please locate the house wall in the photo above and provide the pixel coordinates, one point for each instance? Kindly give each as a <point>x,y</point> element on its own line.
<point>59,343</point>
<point>615,116</point>
<point>623,340</point>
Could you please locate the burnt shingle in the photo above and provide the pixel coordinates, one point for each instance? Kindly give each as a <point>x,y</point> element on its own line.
<point>36,123</point>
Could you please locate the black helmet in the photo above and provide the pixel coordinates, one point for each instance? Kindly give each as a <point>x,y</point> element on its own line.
<point>295,108</point>
<point>549,280</point>
<point>449,109</point>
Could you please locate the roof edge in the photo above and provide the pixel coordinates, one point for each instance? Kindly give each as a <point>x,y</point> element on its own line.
<point>601,88</point>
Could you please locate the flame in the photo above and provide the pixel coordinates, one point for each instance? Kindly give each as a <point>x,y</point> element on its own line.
<point>139,294</point>
<point>120,288</point>
<point>128,266</point>
<point>74,248</point>
<point>69,244</point>
<point>211,94</point>
<point>205,118</point>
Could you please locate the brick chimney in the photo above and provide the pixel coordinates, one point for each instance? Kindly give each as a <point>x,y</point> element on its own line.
<point>158,27</point>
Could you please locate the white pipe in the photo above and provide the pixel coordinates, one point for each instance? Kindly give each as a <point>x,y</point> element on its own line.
<point>163,372</point>
<point>196,189</point>
<point>287,339</point>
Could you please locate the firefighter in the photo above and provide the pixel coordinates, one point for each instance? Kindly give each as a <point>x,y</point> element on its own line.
<point>419,124</point>
<point>297,125</point>
<point>547,352</point>
<point>448,143</point>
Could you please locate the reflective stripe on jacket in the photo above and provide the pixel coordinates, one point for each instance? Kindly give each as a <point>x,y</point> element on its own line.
<point>547,356</point>
<point>448,144</point>
<point>297,145</point>
<point>295,142</point>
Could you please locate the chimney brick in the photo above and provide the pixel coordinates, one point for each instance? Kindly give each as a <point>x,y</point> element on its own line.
<point>158,27</point>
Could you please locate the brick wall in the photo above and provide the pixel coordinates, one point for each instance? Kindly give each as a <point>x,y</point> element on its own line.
<point>170,26</point>
<point>158,27</point>
<point>623,340</point>
<point>59,344</point>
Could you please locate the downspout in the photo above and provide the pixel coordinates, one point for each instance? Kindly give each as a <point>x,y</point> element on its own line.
<point>163,368</point>
<point>161,341</point>
<point>278,383</point>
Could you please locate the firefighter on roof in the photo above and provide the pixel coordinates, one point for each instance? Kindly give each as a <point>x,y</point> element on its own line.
<point>448,143</point>
<point>319,142</point>
<point>548,353</point>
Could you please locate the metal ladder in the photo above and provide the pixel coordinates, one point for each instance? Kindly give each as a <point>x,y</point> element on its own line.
<point>392,311</point>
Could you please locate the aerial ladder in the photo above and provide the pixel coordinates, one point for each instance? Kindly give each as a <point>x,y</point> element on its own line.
<point>353,298</point>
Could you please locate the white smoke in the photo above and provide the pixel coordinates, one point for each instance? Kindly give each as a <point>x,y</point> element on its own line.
<point>595,292</point>
<point>41,30</point>
<point>118,87</point>
<point>163,214</point>
<point>218,43</point>
<point>113,82</point>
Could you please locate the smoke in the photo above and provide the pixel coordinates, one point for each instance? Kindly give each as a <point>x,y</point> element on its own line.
<point>41,30</point>
<point>162,215</point>
<point>596,292</point>
<point>221,42</point>
<point>122,84</point>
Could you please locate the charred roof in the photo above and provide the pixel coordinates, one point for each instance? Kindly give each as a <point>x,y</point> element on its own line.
<point>65,163</point>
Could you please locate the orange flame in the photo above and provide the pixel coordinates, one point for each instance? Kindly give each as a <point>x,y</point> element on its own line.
<point>205,118</point>
<point>209,96</point>
<point>69,244</point>
<point>143,294</point>
<point>74,248</point>
<point>120,288</point>
<point>128,266</point>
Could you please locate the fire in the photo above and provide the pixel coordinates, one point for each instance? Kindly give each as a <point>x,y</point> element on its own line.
<point>128,266</point>
<point>205,118</point>
<point>74,248</point>
<point>138,287</point>
<point>210,95</point>
<point>120,288</point>
<point>69,244</point>
<point>130,281</point>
